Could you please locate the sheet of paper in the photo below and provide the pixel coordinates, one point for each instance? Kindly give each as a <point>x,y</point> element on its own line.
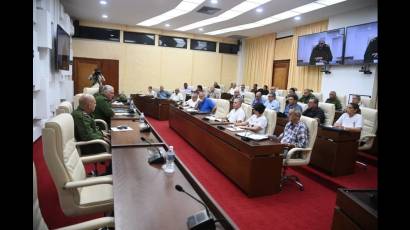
<point>253,136</point>
<point>122,114</point>
<point>117,103</point>
<point>115,129</point>
<point>234,129</point>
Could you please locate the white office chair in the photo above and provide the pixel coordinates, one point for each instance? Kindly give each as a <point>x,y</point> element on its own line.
<point>249,97</point>
<point>78,195</point>
<point>91,90</point>
<point>222,107</point>
<point>329,110</point>
<point>218,93</point>
<point>264,97</point>
<point>247,109</point>
<point>366,102</point>
<point>281,92</point>
<point>369,128</point>
<point>319,96</point>
<point>303,105</point>
<point>64,107</point>
<point>282,102</point>
<point>39,224</point>
<point>299,94</point>
<point>312,125</point>
<point>271,117</point>
<point>342,100</point>
<point>222,88</point>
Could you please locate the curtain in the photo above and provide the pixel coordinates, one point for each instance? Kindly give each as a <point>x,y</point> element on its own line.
<point>305,77</point>
<point>259,55</point>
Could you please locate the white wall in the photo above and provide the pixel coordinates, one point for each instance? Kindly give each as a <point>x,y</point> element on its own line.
<point>50,86</point>
<point>347,79</point>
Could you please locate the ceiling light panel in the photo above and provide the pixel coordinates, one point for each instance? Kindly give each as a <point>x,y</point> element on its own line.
<point>279,17</point>
<point>229,14</point>
<point>183,7</point>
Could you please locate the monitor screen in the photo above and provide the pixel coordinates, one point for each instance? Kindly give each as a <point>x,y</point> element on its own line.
<point>175,42</point>
<point>139,38</point>
<point>228,48</point>
<point>203,45</point>
<point>321,48</point>
<point>63,49</point>
<point>361,44</point>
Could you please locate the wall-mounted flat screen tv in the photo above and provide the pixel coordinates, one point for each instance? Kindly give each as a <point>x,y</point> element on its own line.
<point>203,45</point>
<point>175,42</point>
<point>361,44</point>
<point>324,48</point>
<point>63,49</point>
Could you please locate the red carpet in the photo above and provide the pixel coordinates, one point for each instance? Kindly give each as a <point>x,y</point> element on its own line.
<point>47,193</point>
<point>290,209</point>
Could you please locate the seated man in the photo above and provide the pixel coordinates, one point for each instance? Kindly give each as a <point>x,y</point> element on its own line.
<point>151,91</point>
<point>232,88</point>
<point>257,122</point>
<point>295,134</point>
<point>236,95</point>
<point>307,95</point>
<point>205,105</point>
<point>193,101</point>
<point>352,120</point>
<point>186,89</point>
<point>272,103</point>
<point>103,109</point>
<point>272,90</point>
<point>177,96</point>
<point>291,91</point>
<point>242,90</point>
<point>213,94</point>
<point>264,90</point>
<point>357,100</point>
<point>85,128</point>
<point>162,94</point>
<point>216,86</point>
<point>314,111</point>
<point>258,99</point>
<point>255,88</point>
<point>292,104</point>
<point>334,100</point>
<point>199,88</point>
<point>237,115</point>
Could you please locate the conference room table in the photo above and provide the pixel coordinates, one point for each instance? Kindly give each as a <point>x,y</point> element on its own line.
<point>153,107</point>
<point>254,166</point>
<point>144,195</point>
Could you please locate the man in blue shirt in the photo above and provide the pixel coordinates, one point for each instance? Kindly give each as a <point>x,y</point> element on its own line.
<point>258,99</point>
<point>205,105</point>
<point>162,94</point>
<point>292,104</point>
<point>272,103</point>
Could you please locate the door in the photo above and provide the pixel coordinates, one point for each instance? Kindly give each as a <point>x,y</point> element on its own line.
<point>83,67</point>
<point>280,74</point>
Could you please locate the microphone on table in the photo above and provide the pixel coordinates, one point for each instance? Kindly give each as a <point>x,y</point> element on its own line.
<point>156,158</point>
<point>201,220</point>
<point>244,137</point>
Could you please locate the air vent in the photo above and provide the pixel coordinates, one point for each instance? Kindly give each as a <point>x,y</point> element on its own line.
<point>237,37</point>
<point>208,10</point>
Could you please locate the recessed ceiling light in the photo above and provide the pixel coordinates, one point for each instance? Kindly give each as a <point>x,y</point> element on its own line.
<point>104,16</point>
<point>103,2</point>
<point>214,1</point>
<point>167,25</point>
<point>259,10</point>
<point>297,18</point>
<point>200,29</point>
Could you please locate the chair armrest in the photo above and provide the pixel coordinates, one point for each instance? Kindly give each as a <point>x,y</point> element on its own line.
<point>96,158</point>
<point>367,136</point>
<point>89,182</point>
<point>102,122</point>
<point>92,224</point>
<point>96,141</point>
<point>294,150</point>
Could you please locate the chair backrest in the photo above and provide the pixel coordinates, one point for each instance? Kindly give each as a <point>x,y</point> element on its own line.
<point>247,88</point>
<point>249,97</point>
<point>329,110</point>
<point>342,100</point>
<point>303,105</point>
<point>281,92</point>
<point>369,117</point>
<point>366,102</point>
<point>64,107</point>
<point>282,102</point>
<point>38,221</point>
<point>218,93</point>
<point>312,126</point>
<point>91,91</point>
<point>222,88</point>
<point>264,97</point>
<point>319,96</point>
<point>63,160</point>
<point>271,117</point>
<point>222,107</point>
<point>299,94</point>
<point>247,109</point>
<point>76,100</point>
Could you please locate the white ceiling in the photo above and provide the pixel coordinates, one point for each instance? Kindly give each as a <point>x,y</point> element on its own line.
<point>131,12</point>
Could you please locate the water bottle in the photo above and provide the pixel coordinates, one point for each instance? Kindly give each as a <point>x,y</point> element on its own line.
<point>142,118</point>
<point>169,165</point>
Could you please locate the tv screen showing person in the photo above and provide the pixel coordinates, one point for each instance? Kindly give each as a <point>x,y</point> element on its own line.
<point>361,44</point>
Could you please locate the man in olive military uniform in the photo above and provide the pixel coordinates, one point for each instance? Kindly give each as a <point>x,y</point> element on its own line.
<point>321,53</point>
<point>307,95</point>
<point>334,100</point>
<point>371,51</point>
<point>103,109</point>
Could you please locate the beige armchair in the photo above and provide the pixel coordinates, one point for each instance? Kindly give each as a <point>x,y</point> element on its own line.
<point>76,99</point>
<point>319,96</point>
<point>249,97</point>
<point>78,195</point>
<point>312,125</point>
<point>39,224</point>
<point>271,117</point>
<point>342,100</point>
<point>64,107</point>
<point>281,92</point>
<point>282,102</point>
<point>222,107</point>
<point>303,105</point>
<point>218,93</point>
<point>247,109</point>
<point>299,94</point>
<point>91,90</point>
<point>329,110</point>
<point>366,102</point>
<point>369,128</point>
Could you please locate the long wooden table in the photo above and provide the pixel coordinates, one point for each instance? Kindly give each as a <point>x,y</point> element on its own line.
<point>254,166</point>
<point>153,107</point>
<point>144,195</point>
